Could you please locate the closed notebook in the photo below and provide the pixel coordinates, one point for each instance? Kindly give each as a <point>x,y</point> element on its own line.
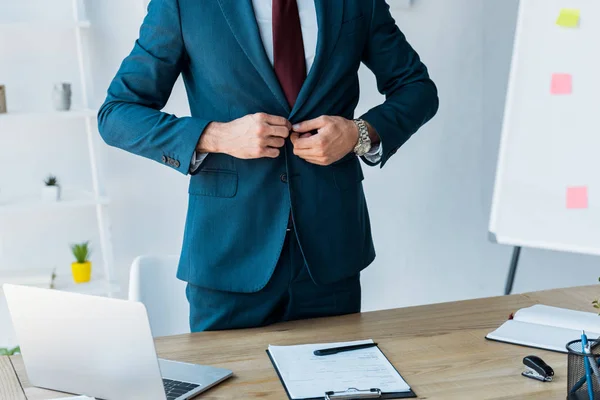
<point>307,377</point>
<point>548,328</point>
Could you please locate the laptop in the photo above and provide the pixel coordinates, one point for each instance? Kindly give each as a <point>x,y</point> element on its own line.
<point>98,347</point>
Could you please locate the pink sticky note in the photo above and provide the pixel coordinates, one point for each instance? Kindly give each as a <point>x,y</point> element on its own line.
<point>577,197</point>
<point>562,84</point>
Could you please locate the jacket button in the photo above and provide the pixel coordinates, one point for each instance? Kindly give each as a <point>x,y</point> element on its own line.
<point>176,164</point>
<point>164,159</point>
<point>284,178</point>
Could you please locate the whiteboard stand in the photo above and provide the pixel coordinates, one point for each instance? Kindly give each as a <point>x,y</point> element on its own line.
<point>512,270</point>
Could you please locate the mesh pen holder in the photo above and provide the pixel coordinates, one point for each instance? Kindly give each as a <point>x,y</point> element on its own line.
<point>577,388</point>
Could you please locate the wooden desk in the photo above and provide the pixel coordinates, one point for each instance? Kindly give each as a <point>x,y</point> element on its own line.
<point>440,349</point>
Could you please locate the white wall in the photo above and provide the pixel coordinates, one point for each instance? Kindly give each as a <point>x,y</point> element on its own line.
<point>428,213</point>
<point>149,200</point>
<point>429,206</point>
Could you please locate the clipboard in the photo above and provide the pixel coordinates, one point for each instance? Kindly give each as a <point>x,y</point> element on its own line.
<point>350,393</point>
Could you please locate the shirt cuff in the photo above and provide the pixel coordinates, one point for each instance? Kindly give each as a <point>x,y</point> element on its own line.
<point>374,155</point>
<point>197,159</point>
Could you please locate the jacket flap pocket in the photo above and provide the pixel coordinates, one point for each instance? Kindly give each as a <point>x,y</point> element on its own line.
<point>214,183</point>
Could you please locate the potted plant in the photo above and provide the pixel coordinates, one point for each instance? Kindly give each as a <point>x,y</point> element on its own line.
<point>10,352</point>
<point>51,190</point>
<point>82,268</point>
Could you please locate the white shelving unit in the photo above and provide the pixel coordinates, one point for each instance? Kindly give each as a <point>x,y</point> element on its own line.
<point>68,200</point>
<point>53,25</point>
<point>24,116</point>
<point>43,278</point>
<point>102,283</point>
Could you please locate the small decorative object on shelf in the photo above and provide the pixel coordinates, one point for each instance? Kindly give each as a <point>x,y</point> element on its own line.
<point>53,279</point>
<point>82,268</point>
<point>61,96</point>
<point>10,352</point>
<point>596,303</point>
<point>3,108</point>
<point>51,190</point>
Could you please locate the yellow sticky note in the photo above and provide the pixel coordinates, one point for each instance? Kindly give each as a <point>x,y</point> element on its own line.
<point>569,18</point>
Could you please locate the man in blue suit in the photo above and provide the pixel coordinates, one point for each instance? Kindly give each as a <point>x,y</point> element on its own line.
<point>277,226</point>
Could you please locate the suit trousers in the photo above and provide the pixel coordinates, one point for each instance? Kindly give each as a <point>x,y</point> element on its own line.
<point>289,295</point>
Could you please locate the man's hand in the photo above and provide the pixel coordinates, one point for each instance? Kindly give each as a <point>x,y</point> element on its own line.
<point>253,136</point>
<point>335,137</point>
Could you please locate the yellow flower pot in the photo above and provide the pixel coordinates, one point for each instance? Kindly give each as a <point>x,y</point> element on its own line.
<point>82,272</point>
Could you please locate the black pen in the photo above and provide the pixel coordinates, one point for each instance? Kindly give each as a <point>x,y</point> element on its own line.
<point>335,350</point>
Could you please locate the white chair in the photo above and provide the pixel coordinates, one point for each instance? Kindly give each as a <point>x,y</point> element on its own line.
<point>152,281</point>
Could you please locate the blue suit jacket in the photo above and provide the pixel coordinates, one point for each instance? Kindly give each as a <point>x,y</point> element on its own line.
<point>238,209</point>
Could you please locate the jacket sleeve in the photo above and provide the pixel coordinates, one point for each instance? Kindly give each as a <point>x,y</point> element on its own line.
<point>130,118</point>
<point>411,96</point>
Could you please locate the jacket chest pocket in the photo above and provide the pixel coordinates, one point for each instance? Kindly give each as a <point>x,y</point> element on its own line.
<point>214,183</point>
<point>352,26</point>
<point>351,41</point>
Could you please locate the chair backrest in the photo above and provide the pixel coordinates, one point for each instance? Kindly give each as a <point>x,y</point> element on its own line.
<point>152,281</point>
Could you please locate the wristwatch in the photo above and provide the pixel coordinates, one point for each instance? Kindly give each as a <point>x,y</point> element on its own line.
<point>364,140</point>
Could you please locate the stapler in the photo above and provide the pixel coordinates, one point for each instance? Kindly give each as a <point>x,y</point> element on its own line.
<point>536,368</point>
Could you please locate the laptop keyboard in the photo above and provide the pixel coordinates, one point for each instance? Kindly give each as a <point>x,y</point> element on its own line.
<point>174,389</point>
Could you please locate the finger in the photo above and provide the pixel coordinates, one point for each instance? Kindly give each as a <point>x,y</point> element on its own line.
<point>265,130</point>
<point>308,141</point>
<point>270,152</point>
<point>274,120</point>
<point>316,161</point>
<point>310,125</point>
<point>274,141</point>
<point>324,161</point>
<point>294,137</point>
<point>310,152</point>
<point>279,131</point>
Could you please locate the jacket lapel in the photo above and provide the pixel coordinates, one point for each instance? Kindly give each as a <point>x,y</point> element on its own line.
<point>242,22</point>
<point>329,19</point>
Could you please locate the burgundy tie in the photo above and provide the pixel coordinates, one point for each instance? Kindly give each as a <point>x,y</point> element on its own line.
<point>288,48</point>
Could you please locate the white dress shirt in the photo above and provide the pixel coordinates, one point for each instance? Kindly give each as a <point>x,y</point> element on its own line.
<point>310,32</point>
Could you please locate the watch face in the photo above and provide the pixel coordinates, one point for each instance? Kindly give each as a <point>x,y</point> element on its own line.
<point>363,148</point>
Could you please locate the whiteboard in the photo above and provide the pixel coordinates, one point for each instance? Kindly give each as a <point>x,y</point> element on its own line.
<point>551,143</point>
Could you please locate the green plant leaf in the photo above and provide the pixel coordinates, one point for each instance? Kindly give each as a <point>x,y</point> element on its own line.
<point>81,252</point>
<point>51,180</point>
<point>10,352</point>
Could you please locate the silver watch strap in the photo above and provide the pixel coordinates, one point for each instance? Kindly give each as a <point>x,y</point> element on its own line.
<point>364,140</point>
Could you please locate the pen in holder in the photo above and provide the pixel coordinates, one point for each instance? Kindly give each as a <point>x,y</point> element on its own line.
<point>577,387</point>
